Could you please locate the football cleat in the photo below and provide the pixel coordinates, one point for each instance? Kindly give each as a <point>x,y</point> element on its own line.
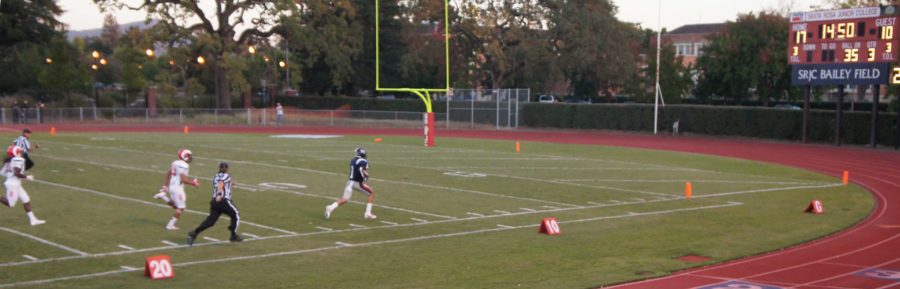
<point>36,222</point>
<point>236,238</point>
<point>371,216</point>
<point>171,227</point>
<point>160,195</point>
<point>327,213</point>
<point>191,237</point>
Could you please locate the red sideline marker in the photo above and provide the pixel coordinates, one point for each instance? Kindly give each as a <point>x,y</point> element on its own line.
<point>815,207</point>
<point>158,267</point>
<point>550,227</point>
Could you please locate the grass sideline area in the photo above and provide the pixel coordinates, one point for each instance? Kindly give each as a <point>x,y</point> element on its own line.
<point>461,215</point>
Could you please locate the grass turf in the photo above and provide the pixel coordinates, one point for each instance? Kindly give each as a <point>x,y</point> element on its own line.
<point>462,215</point>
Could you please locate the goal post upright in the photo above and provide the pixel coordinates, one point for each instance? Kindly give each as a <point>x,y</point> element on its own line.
<point>423,93</point>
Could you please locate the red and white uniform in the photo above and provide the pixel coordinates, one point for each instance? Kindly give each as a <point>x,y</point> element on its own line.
<point>176,187</point>
<point>14,190</point>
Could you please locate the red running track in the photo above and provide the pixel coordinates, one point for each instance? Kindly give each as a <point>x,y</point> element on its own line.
<point>865,256</point>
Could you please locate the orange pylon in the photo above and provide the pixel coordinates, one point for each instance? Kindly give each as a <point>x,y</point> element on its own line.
<point>52,131</point>
<point>688,190</point>
<point>518,147</point>
<point>846,178</point>
<point>187,130</point>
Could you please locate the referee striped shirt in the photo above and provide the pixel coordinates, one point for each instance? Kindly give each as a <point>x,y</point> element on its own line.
<point>23,143</point>
<point>226,192</point>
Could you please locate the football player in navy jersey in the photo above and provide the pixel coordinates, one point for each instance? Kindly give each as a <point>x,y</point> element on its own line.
<point>359,173</point>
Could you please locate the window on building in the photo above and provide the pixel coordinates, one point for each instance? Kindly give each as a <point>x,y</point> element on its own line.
<point>684,49</point>
<point>698,48</point>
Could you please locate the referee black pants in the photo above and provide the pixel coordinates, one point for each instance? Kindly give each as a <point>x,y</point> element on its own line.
<point>216,209</point>
<point>28,162</point>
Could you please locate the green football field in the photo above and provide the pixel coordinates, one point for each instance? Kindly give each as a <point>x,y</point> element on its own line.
<point>461,215</point>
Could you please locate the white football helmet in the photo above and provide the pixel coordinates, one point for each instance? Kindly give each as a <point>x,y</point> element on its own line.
<point>360,152</point>
<point>184,154</point>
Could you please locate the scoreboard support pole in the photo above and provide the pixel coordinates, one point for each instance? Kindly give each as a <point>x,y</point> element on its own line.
<point>876,94</point>
<point>807,91</point>
<point>839,114</point>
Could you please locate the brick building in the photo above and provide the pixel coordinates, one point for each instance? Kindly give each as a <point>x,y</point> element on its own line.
<point>689,40</point>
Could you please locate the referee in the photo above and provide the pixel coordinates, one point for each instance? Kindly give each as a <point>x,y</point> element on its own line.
<point>24,143</point>
<point>220,204</point>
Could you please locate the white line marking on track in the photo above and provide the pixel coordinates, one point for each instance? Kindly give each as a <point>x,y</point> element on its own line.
<point>170,243</point>
<point>357,226</point>
<point>324,229</point>
<point>60,246</point>
<point>340,245</point>
<point>474,214</point>
<point>211,239</point>
<point>505,226</point>
<point>419,220</point>
<point>156,204</point>
<point>125,247</point>
<point>389,223</point>
<point>30,257</point>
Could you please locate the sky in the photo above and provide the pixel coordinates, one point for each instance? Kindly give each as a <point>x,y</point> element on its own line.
<point>83,14</point>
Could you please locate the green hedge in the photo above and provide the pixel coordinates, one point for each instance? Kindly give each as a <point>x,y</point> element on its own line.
<point>768,123</point>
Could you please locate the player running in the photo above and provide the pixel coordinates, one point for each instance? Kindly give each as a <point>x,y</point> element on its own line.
<point>220,204</point>
<point>359,174</point>
<point>14,170</point>
<point>176,177</point>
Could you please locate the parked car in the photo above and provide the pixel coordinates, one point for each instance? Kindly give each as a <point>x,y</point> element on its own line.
<point>546,98</point>
<point>572,99</point>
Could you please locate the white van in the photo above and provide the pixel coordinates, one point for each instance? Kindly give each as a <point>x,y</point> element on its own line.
<point>546,99</point>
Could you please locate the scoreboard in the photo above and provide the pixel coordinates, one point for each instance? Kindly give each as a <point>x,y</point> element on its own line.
<point>850,46</point>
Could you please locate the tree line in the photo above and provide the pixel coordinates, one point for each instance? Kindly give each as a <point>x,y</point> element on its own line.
<point>251,48</point>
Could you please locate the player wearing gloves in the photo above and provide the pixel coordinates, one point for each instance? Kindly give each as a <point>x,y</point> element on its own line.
<point>14,170</point>
<point>176,177</point>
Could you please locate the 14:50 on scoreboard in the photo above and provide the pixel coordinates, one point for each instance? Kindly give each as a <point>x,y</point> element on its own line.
<point>861,38</point>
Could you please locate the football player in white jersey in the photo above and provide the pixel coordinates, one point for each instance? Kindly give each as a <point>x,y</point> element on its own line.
<point>176,177</point>
<point>14,170</point>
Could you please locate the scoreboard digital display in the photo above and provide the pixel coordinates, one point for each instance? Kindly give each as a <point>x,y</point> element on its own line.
<point>850,46</point>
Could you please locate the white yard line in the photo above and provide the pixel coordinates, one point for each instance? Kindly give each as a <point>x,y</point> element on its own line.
<point>357,226</point>
<point>687,180</point>
<point>419,220</point>
<point>149,203</point>
<point>211,239</point>
<point>502,212</point>
<point>170,243</point>
<point>126,247</point>
<point>767,190</point>
<point>255,188</point>
<point>331,174</point>
<point>528,209</point>
<point>474,214</point>
<point>505,226</point>
<point>29,257</point>
<point>250,235</point>
<point>340,245</point>
<point>46,242</point>
<point>324,229</point>
<point>128,268</point>
<point>389,223</point>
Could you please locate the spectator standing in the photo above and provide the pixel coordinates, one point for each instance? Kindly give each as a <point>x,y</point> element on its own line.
<point>279,113</point>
